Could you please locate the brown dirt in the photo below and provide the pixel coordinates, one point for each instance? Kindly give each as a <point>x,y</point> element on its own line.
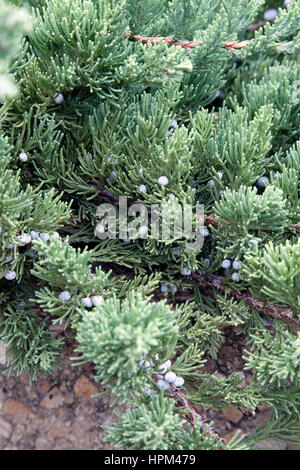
<point>57,412</point>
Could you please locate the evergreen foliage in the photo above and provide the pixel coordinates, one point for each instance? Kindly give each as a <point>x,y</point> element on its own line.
<point>101,113</point>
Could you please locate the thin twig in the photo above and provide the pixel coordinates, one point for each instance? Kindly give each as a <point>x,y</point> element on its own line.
<point>256,26</point>
<point>192,414</point>
<point>229,45</point>
<point>212,281</point>
<point>186,44</point>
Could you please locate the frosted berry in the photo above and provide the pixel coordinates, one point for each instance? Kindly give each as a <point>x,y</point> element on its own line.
<point>59,98</point>
<point>87,158</point>
<point>142,188</point>
<point>236,264</point>
<point>170,377</point>
<point>146,364</point>
<point>235,277</point>
<point>178,382</point>
<point>162,384</point>
<point>185,272</point>
<point>65,295</point>
<point>23,157</point>
<point>10,276</point>
<point>87,302</point>
<point>45,236</point>
<point>97,300</point>
<point>226,264</point>
<point>204,232</point>
<point>163,180</point>
<point>263,181</point>
<point>270,14</point>
<point>165,366</point>
<point>24,239</point>
<point>164,288</point>
<point>112,178</point>
<point>34,234</point>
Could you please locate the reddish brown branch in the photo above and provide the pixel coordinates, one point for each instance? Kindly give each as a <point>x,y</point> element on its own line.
<point>186,44</point>
<point>255,26</point>
<point>192,414</point>
<point>229,45</point>
<point>217,282</point>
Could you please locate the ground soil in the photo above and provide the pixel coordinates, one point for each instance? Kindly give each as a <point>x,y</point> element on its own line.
<point>57,412</point>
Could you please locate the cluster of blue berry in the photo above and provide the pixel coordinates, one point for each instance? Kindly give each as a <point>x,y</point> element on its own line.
<point>163,381</point>
<point>23,239</point>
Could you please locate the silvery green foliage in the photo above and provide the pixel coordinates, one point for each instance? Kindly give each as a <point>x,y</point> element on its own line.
<point>115,336</point>
<point>156,425</point>
<point>14,22</point>
<point>99,116</point>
